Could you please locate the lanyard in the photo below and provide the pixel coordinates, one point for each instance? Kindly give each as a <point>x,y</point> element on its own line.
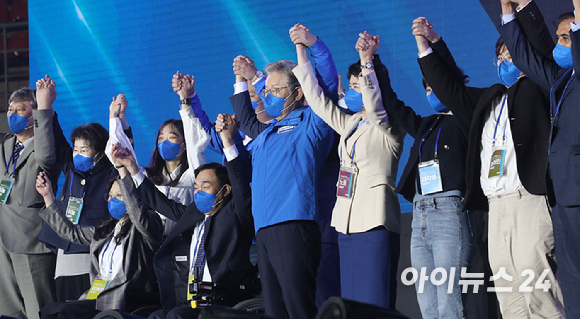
<point>426,135</point>
<point>10,160</point>
<point>497,123</point>
<point>168,189</point>
<point>194,257</point>
<point>112,255</point>
<point>71,182</point>
<point>555,115</point>
<point>353,150</point>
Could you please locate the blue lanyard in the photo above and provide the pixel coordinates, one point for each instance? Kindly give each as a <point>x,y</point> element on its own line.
<point>72,176</point>
<point>10,160</point>
<point>353,150</point>
<point>555,115</point>
<point>168,189</point>
<point>112,255</point>
<point>497,123</point>
<point>194,257</point>
<point>427,133</point>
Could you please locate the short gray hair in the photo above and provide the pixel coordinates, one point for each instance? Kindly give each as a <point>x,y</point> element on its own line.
<point>285,67</point>
<point>24,94</point>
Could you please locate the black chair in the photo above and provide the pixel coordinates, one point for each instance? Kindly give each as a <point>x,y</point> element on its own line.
<point>338,308</point>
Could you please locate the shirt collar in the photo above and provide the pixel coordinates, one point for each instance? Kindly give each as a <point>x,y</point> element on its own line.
<point>294,114</point>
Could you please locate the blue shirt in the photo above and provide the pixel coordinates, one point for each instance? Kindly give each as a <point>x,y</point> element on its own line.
<point>287,160</point>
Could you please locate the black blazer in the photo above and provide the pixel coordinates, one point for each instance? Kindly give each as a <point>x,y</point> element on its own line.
<point>228,236</point>
<point>528,111</point>
<point>452,145</point>
<point>564,155</point>
<point>95,209</point>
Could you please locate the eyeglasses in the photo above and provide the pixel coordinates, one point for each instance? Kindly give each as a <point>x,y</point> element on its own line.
<point>273,91</point>
<point>118,196</point>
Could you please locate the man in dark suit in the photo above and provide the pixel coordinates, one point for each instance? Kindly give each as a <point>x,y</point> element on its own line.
<point>506,174</point>
<point>212,238</point>
<point>557,76</point>
<point>27,267</point>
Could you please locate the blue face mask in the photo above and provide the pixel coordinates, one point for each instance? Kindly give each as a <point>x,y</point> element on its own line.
<point>117,208</point>
<point>436,104</point>
<point>508,73</point>
<point>563,56</point>
<point>168,151</point>
<point>83,163</point>
<point>205,202</point>
<point>274,105</point>
<point>17,123</point>
<point>353,100</point>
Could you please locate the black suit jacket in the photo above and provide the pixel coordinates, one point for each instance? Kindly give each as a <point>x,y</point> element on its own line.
<point>564,150</point>
<point>452,145</point>
<point>228,238</point>
<point>528,111</point>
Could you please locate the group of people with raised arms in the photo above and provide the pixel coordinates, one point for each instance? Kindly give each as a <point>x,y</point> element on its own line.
<point>309,180</point>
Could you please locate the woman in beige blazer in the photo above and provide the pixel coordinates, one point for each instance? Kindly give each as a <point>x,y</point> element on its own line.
<point>367,211</point>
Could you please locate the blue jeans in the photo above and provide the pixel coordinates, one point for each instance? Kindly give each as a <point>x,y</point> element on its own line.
<point>441,237</point>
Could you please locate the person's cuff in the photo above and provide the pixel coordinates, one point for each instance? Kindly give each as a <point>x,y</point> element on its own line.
<point>518,8</point>
<point>139,178</point>
<point>231,153</point>
<point>258,79</point>
<point>317,48</point>
<point>505,19</point>
<point>187,112</point>
<point>574,27</point>
<point>240,87</point>
<point>426,53</point>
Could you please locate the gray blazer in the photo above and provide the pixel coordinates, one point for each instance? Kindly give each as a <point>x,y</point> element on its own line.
<point>19,221</point>
<point>135,284</point>
<point>379,144</point>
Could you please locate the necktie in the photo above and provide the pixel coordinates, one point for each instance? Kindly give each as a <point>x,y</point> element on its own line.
<point>17,150</point>
<point>200,260</point>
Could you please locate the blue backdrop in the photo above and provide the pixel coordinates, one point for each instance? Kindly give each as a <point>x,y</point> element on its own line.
<point>95,50</point>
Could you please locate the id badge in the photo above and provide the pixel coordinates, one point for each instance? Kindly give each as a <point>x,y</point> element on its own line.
<point>496,166</point>
<point>73,209</point>
<point>96,288</point>
<point>430,176</point>
<point>5,188</point>
<point>190,282</point>
<point>346,179</point>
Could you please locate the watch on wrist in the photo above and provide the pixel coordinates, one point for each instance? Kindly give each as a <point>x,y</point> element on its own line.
<point>186,101</point>
<point>258,75</point>
<point>368,65</point>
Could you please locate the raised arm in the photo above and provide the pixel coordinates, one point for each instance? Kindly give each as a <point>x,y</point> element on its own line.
<point>118,126</point>
<point>45,148</point>
<point>318,101</point>
<point>442,78</point>
<point>545,72</point>
<point>53,215</point>
<point>196,138</point>
<point>534,26</point>
<point>239,170</point>
<point>241,102</point>
<point>147,223</point>
<point>324,66</point>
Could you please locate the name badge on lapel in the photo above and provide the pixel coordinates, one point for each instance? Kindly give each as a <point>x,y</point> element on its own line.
<point>430,176</point>
<point>286,129</point>
<point>346,180</point>
<point>5,188</point>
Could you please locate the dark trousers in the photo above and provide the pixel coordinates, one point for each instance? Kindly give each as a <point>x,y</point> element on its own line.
<point>368,266</point>
<point>566,222</point>
<point>288,258</point>
<point>79,309</point>
<point>328,278</point>
<point>71,287</point>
